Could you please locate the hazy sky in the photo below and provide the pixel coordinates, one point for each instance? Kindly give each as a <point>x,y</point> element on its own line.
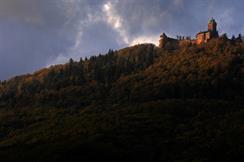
<point>38,33</point>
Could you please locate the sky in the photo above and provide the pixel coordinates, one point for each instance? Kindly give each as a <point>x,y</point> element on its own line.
<point>39,33</point>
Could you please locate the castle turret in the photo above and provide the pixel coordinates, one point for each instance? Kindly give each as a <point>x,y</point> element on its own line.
<point>204,37</point>
<point>162,40</point>
<point>212,28</point>
<point>212,25</point>
<point>167,42</point>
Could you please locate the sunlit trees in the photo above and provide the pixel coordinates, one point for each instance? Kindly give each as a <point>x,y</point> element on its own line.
<point>142,72</point>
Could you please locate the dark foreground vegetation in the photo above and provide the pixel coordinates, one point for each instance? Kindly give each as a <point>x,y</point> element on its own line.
<point>141,103</point>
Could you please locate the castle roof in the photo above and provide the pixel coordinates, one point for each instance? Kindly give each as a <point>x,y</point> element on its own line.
<point>202,32</point>
<point>212,21</point>
<point>163,35</point>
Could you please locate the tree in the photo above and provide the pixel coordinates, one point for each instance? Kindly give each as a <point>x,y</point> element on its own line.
<point>81,60</point>
<point>110,52</point>
<point>239,38</point>
<point>71,61</point>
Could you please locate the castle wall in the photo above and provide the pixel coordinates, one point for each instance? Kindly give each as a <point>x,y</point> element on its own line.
<point>212,26</point>
<point>167,42</point>
<point>185,42</point>
<point>203,37</point>
<point>200,38</point>
<point>207,37</point>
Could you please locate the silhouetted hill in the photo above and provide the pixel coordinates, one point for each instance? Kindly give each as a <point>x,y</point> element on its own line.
<point>141,103</point>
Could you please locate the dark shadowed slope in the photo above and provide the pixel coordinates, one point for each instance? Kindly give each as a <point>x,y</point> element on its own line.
<point>140,103</point>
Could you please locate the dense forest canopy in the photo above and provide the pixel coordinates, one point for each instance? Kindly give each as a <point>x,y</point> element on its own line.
<point>139,73</point>
<point>139,103</point>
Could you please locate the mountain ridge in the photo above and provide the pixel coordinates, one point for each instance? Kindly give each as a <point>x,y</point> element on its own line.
<point>141,103</point>
<point>208,65</point>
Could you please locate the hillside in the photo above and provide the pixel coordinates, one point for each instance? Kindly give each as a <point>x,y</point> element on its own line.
<point>141,103</point>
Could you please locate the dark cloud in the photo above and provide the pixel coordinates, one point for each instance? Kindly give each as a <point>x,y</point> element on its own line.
<point>37,33</point>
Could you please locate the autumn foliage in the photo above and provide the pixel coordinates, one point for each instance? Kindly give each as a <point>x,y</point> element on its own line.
<point>140,73</point>
<point>141,103</point>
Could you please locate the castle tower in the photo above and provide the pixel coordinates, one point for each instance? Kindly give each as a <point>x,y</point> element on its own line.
<point>163,40</point>
<point>212,25</point>
<point>204,37</point>
<point>212,28</point>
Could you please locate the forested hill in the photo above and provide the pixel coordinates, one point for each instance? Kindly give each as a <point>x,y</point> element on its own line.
<point>141,103</point>
<point>135,74</point>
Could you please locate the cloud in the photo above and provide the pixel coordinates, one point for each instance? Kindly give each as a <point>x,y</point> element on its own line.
<point>24,9</point>
<point>119,22</point>
<point>37,33</point>
<point>179,3</point>
<point>145,39</point>
<point>115,20</point>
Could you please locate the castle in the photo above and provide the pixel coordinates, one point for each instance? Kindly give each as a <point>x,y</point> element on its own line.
<point>204,37</point>
<point>201,37</point>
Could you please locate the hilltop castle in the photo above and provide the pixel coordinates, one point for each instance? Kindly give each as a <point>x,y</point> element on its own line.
<point>201,37</point>
<point>204,37</point>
